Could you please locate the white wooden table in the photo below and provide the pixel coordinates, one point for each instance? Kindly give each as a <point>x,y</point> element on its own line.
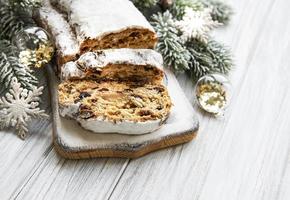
<point>245,155</point>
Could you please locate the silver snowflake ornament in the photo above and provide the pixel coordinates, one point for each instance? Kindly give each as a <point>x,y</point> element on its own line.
<point>196,24</point>
<point>19,106</point>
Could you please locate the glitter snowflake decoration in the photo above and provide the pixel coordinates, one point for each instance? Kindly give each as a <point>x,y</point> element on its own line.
<point>19,106</point>
<point>196,24</point>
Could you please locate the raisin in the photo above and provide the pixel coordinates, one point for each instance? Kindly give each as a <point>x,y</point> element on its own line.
<point>85,49</point>
<point>145,112</point>
<point>86,114</point>
<point>129,105</point>
<point>94,100</point>
<point>159,89</point>
<point>147,68</point>
<point>99,53</point>
<point>83,107</point>
<point>103,89</point>
<point>68,88</point>
<point>96,72</point>
<point>134,34</point>
<point>77,56</point>
<point>128,90</point>
<point>114,112</point>
<point>159,107</point>
<point>84,95</point>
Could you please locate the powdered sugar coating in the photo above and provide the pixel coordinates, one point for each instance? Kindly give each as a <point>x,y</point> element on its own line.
<point>93,19</point>
<point>55,22</point>
<point>99,59</point>
<point>124,127</point>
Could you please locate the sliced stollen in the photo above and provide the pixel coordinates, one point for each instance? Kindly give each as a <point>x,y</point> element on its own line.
<point>79,26</point>
<point>118,90</point>
<point>141,65</point>
<point>114,107</point>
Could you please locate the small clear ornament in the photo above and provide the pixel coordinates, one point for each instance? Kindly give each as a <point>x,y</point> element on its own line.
<point>213,93</point>
<point>35,47</point>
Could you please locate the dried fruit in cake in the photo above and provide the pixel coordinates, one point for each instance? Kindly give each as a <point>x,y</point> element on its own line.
<point>111,106</point>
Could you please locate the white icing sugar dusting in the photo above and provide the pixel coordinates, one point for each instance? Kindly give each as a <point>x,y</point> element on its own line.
<point>93,59</point>
<point>69,111</point>
<point>71,70</point>
<point>65,40</point>
<point>124,127</point>
<point>101,58</point>
<point>97,18</point>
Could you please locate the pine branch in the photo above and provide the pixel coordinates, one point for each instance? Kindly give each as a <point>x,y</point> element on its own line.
<point>17,111</point>
<point>221,11</point>
<point>208,58</point>
<point>174,53</point>
<point>24,4</point>
<point>10,67</point>
<point>14,15</point>
<point>178,7</point>
<point>10,23</point>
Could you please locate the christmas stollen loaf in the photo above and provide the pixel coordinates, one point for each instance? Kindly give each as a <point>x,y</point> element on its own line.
<point>120,103</point>
<point>79,26</point>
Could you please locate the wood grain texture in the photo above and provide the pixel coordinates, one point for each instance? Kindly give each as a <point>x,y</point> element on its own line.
<point>245,155</point>
<point>19,159</point>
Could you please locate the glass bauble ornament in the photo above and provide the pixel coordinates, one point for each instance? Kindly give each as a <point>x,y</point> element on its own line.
<point>35,47</point>
<point>213,93</point>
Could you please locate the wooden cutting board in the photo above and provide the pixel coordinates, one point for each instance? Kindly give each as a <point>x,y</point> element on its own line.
<point>73,142</point>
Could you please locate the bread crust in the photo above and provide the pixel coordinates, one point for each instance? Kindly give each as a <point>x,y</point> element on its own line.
<point>143,65</point>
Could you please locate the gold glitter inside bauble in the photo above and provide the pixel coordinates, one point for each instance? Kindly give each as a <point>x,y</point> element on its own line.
<point>35,47</point>
<point>212,93</point>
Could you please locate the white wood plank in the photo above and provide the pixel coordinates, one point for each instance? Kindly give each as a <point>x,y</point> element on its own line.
<point>284,186</point>
<point>242,156</point>
<point>18,159</point>
<point>58,178</point>
<point>284,191</point>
